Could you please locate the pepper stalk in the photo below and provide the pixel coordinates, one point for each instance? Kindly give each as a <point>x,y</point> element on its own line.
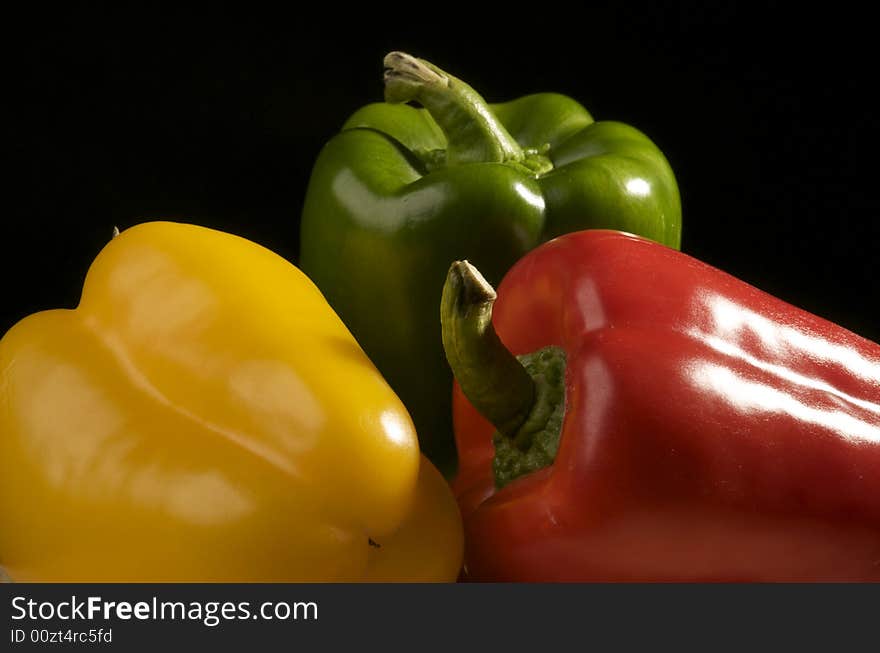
<point>472,131</point>
<point>523,397</point>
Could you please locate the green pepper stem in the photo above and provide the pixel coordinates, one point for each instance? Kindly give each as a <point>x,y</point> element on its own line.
<point>490,376</point>
<point>473,133</point>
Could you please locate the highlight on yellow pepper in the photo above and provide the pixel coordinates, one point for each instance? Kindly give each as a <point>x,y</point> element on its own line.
<point>204,415</point>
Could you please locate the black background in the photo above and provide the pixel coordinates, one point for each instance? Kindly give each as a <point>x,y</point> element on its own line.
<point>763,112</point>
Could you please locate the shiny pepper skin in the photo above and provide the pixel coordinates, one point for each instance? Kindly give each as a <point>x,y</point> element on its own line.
<point>402,191</point>
<point>711,431</point>
<point>203,415</point>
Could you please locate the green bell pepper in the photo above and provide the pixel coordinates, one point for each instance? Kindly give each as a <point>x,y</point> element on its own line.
<point>402,191</point>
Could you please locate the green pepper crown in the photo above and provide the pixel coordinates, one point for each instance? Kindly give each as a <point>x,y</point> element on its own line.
<point>523,397</point>
<point>473,133</point>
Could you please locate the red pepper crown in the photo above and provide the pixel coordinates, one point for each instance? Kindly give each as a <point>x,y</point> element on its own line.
<point>522,396</point>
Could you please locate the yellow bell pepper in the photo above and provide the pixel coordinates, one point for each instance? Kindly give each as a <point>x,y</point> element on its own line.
<point>204,415</point>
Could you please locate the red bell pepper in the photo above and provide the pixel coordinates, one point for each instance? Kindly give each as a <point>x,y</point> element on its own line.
<point>675,424</point>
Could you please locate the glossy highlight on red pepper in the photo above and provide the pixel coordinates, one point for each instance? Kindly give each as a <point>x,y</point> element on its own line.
<point>711,432</point>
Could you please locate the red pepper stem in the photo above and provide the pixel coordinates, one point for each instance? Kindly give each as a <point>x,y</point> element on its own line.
<point>473,133</point>
<point>490,376</point>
